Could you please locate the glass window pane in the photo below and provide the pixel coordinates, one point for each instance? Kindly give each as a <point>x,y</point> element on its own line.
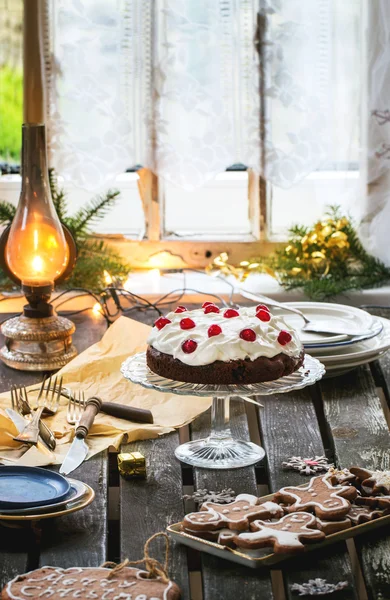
<point>11,111</point>
<point>218,209</point>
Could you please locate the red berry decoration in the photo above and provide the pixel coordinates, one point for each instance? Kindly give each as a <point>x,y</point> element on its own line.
<point>284,338</point>
<point>187,324</point>
<point>161,322</point>
<point>211,308</point>
<point>214,330</point>
<point>189,346</point>
<point>248,335</point>
<point>181,309</point>
<point>206,304</point>
<point>230,313</point>
<point>263,315</point>
<point>262,307</point>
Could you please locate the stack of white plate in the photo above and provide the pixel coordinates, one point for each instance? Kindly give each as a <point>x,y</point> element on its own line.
<point>369,336</point>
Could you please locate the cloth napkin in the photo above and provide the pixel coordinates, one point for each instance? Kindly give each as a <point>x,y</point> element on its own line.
<point>97,372</point>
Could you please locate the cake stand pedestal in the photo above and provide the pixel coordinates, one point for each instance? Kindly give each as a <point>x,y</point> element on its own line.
<point>220,450</point>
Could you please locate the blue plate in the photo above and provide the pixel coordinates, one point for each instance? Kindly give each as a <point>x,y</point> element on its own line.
<point>23,487</point>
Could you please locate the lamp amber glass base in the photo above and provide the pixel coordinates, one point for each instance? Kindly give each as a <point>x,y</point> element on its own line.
<point>37,344</point>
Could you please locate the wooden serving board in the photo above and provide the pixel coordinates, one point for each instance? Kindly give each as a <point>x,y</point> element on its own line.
<point>262,557</point>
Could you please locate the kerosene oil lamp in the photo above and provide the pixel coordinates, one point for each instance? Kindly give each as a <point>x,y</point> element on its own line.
<point>37,252</point>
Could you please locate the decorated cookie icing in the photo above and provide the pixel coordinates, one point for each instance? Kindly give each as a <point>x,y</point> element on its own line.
<point>329,502</point>
<point>236,515</point>
<point>218,334</point>
<point>285,535</point>
<point>89,584</point>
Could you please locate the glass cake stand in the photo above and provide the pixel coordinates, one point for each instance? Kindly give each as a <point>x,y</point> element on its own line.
<point>220,450</point>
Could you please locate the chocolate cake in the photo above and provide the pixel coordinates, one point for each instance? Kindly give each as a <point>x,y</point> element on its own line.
<point>223,346</point>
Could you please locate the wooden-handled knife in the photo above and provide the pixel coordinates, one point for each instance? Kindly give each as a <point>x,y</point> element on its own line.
<point>79,449</point>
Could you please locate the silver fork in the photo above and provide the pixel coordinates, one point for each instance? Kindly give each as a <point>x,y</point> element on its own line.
<point>312,326</point>
<point>20,403</point>
<point>30,433</point>
<point>50,401</point>
<point>76,407</point>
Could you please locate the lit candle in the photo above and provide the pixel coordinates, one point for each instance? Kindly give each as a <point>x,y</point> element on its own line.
<point>36,250</point>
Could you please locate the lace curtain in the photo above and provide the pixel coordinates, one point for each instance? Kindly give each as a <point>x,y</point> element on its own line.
<point>375,196</point>
<point>188,88</point>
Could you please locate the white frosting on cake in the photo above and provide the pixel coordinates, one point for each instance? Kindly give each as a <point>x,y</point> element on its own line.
<point>227,345</point>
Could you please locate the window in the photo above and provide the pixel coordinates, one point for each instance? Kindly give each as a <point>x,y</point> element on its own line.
<point>11,19</point>
<point>238,211</point>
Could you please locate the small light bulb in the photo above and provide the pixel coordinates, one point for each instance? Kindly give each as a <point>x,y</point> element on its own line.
<point>107,277</point>
<point>97,309</point>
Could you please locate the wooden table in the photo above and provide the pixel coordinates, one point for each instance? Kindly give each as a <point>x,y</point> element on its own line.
<point>347,418</point>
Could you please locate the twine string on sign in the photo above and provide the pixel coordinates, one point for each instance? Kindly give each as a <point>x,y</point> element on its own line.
<point>154,568</point>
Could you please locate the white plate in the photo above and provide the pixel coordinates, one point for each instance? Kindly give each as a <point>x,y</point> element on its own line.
<point>340,369</point>
<point>376,328</point>
<point>353,319</point>
<point>363,350</point>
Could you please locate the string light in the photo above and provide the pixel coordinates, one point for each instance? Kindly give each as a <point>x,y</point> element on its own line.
<point>107,277</point>
<point>97,309</point>
<point>126,301</point>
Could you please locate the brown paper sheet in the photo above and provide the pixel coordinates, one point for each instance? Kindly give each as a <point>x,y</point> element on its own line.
<point>97,372</point>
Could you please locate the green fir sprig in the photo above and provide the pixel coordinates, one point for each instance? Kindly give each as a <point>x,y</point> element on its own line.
<point>94,255</point>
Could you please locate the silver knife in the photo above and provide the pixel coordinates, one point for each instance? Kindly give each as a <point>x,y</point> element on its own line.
<point>79,449</point>
<point>20,423</point>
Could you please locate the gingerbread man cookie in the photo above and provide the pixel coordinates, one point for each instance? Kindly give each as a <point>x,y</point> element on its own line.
<point>236,515</point>
<point>382,502</point>
<point>329,502</point>
<point>285,535</point>
<point>362,514</point>
<point>373,482</point>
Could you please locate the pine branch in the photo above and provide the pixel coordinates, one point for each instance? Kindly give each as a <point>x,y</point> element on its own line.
<point>7,212</point>
<point>93,211</point>
<point>93,259</point>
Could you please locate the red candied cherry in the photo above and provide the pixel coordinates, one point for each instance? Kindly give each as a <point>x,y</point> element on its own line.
<point>187,324</point>
<point>181,309</point>
<point>206,304</point>
<point>161,322</point>
<point>189,346</point>
<point>214,330</point>
<point>263,315</point>
<point>211,308</point>
<point>248,335</point>
<point>262,307</point>
<point>230,313</point>
<point>284,338</point>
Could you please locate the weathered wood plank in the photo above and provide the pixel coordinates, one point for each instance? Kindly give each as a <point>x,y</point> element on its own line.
<point>15,547</point>
<point>223,580</point>
<point>289,427</point>
<point>148,506</point>
<point>80,539</point>
<point>361,437</point>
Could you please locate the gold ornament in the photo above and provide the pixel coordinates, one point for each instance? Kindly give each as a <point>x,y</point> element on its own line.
<point>329,254</point>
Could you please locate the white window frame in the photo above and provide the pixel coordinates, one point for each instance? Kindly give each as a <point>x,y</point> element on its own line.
<point>195,252</point>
